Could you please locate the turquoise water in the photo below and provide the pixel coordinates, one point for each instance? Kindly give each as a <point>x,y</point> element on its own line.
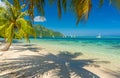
<point>109,46</point>
<point>105,49</point>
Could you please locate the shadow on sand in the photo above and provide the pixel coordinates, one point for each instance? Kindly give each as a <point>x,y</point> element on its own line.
<point>30,47</point>
<point>64,64</point>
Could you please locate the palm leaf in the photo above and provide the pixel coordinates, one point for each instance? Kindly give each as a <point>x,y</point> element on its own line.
<point>26,27</point>
<point>2,21</point>
<point>12,23</point>
<point>17,5</point>
<point>59,8</point>
<point>9,32</point>
<point>64,4</point>
<point>101,3</point>
<point>115,3</point>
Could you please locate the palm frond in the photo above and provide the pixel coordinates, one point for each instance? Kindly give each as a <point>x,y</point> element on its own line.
<point>115,3</point>
<point>12,22</point>
<point>59,8</point>
<point>26,27</point>
<point>51,2</point>
<point>9,32</point>
<point>101,2</point>
<point>3,21</point>
<point>81,9</point>
<point>17,5</point>
<point>22,14</point>
<point>64,4</point>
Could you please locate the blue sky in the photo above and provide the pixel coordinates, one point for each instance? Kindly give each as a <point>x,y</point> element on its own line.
<point>104,20</point>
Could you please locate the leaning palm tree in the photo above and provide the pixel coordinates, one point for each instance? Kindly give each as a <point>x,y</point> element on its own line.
<point>13,25</point>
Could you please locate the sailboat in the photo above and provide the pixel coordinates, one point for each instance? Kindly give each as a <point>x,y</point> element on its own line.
<point>99,36</point>
<point>40,36</point>
<point>53,36</point>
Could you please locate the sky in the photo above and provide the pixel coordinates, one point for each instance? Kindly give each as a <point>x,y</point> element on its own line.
<point>104,20</point>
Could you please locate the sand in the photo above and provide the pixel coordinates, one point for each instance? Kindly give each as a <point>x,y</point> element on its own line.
<point>35,61</point>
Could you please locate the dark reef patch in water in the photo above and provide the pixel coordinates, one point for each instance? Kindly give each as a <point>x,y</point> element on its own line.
<point>114,47</point>
<point>117,46</point>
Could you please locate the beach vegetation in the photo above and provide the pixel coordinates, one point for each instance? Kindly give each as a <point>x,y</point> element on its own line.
<point>43,32</point>
<point>13,25</point>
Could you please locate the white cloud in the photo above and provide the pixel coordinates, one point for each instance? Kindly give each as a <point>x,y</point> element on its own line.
<point>39,19</point>
<point>2,4</point>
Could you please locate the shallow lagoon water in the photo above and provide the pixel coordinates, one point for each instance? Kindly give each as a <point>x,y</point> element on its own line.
<point>93,45</point>
<point>104,49</point>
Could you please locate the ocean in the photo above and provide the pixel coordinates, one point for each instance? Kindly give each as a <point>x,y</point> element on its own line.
<point>102,49</point>
<point>109,46</point>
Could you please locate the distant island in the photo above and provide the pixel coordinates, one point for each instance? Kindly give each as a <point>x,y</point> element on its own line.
<point>44,32</point>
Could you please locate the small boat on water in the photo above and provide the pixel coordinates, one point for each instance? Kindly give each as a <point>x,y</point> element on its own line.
<point>53,36</point>
<point>40,36</point>
<point>99,36</point>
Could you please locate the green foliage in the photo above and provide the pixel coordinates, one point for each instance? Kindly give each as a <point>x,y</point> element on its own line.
<point>41,31</point>
<point>115,3</point>
<point>12,22</point>
<point>81,9</point>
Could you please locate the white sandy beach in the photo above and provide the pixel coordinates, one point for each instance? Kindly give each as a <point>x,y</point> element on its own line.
<point>37,61</point>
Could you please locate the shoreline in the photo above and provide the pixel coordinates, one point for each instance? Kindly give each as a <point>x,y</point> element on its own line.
<point>32,57</point>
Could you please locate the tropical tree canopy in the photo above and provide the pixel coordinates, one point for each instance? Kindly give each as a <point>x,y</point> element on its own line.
<point>81,8</point>
<point>13,24</point>
<point>42,31</point>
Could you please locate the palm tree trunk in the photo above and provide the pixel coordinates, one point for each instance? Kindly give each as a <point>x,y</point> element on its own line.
<point>6,46</point>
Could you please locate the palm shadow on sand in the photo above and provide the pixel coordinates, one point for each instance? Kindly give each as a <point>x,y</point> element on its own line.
<point>25,47</point>
<point>64,64</point>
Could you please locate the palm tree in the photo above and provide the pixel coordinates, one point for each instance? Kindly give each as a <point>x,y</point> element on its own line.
<point>13,25</point>
<point>81,8</point>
